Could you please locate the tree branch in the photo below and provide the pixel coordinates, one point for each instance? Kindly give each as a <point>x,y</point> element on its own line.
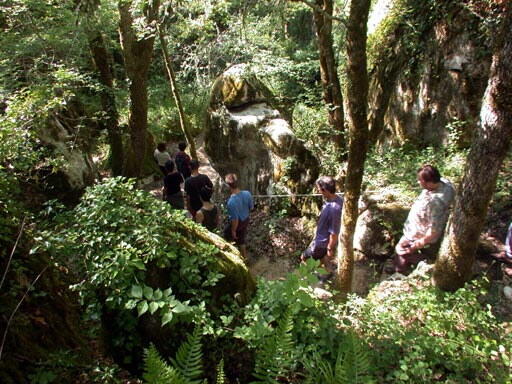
<point>16,309</point>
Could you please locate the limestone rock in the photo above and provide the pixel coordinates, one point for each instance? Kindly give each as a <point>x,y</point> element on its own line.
<point>443,89</point>
<point>379,227</point>
<point>246,135</point>
<point>237,87</point>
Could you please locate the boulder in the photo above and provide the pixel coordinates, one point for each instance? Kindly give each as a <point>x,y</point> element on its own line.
<point>71,143</point>
<point>246,135</point>
<point>379,226</point>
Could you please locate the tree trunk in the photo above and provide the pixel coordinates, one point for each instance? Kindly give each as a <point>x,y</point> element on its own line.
<point>137,54</point>
<point>383,80</point>
<point>103,65</point>
<point>172,83</point>
<point>322,15</point>
<point>357,92</point>
<point>489,148</point>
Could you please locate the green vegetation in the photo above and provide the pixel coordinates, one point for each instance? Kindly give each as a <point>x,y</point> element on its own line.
<point>103,282</point>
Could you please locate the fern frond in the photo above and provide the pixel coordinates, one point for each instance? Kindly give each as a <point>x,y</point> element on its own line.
<point>189,358</point>
<point>352,365</point>
<point>276,356</point>
<point>157,371</point>
<point>221,377</point>
<point>355,366</point>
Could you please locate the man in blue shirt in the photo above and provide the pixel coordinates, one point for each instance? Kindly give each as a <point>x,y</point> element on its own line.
<point>323,247</point>
<point>239,206</point>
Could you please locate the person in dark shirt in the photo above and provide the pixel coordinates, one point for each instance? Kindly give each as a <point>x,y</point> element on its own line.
<point>323,247</point>
<point>182,161</point>
<point>193,186</point>
<point>172,186</point>
<point>208,215</point>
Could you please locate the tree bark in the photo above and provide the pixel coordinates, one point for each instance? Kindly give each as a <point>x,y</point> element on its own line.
<point>383,80</point>
<point>103,64</point>
<point>172,83</point>
<point>357,92</point>
<point>137,52</point>
<point>489,148</point>
<point>322,15</point>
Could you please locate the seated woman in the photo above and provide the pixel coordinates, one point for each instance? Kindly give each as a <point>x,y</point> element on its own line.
<point>208,215</point>
<point>172,186</point>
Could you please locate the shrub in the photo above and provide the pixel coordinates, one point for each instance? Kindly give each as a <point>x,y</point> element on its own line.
<point>420,334</point>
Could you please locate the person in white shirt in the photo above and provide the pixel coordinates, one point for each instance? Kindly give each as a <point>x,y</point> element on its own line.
<point>161,157</point>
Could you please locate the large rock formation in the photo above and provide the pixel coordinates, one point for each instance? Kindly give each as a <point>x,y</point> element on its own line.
<point>248,136</point>
<point>433,72</point>
<point>71,142</point>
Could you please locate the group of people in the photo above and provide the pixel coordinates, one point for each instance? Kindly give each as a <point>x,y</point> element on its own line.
<point>198,191</point>
<point>423,228</point>
<point>422,232</point>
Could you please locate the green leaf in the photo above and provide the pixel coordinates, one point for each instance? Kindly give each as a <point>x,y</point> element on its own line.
<point>157,294</point>
<point>167,317</point>
<point>136,291</point>
<point>148,292</point>
<point>142,307</point>
<point>180,308</point>
<point>130,304</point>
<point>153,306</point>
<point>139,264</point>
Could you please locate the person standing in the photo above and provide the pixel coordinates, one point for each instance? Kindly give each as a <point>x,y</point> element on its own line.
<point>427,218</point>
<point>172,186</point>
<point>161,156</point>
<point>239,206</point>
<point>193,186</point>
<point>182,161</point>
<point>323,247</point>
<point>208,215</point>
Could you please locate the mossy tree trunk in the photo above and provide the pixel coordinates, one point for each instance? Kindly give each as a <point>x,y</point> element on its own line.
<point>384,75</point>
<point>323,17</point>
<point>357,92</point>
<point>488,150</point>
<point>137,52</point>
<point>103,63</point>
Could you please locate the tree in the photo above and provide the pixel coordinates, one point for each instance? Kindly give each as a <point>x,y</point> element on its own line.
<point>357,92</point>
<point>103,63</point>
<point>331,87</point>
<point>488,150</point>
<point>176,95</point>
<point>137,51</point>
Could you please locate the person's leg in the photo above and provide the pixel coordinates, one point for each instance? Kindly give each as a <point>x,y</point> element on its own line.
<point>241,234</point>
<point>243,251</point>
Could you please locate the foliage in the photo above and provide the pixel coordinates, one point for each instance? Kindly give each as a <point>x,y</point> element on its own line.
<point>396,167</point>
<point>310,125</point>
<point>314,324</point>
<point>352,364</point>
<point>185,369</point>
<point>276,355</point>
<point>412,21</point>
<point>158,371</point>
<point>117,240</point>
<point>65,365</point>
<point>221,376</point>
<point>420,334</point>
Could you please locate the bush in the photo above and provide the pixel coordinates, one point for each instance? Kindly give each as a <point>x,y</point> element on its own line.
<point>136,257</point>
<point>421,335</point>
